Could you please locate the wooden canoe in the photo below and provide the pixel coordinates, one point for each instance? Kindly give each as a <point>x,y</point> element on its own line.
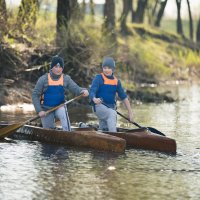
<point>83,139</point>
<point>135,138</point>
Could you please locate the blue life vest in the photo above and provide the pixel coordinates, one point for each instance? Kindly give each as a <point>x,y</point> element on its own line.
<point>55,94</point>
<point>107,91</point>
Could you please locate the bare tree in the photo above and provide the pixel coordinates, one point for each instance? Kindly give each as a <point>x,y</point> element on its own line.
<point>190,19</point>
<point>92,9</point>
<point>125,12</point>
<point>3,11</point>
<point>3,18</point>
<point>83,9</point>
<point>160,12</point>
<point>108,27</point>
<point>140,12</point>
<point>109,15</point>
<point>198,32</point>
<point>132,10</point>
<point>179,21</point>
<point>27,15</point>
<point>155,8</point>
<point>66,10</point>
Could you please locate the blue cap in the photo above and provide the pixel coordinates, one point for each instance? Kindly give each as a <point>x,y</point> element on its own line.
<point>109,62</point>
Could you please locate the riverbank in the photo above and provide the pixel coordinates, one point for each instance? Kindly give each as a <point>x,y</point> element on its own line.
<point>19,92</point>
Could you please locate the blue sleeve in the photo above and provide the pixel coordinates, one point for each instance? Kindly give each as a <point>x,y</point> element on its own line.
<point>122,95</point>
<point>94,87</point>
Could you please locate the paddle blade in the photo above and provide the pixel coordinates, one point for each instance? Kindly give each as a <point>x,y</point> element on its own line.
<point>153,130</point>
<point>6,131</point>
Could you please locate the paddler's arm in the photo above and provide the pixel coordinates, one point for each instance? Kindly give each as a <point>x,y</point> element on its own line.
<point>73,87</point>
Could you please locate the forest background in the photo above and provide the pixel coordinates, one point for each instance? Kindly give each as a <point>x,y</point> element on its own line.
<point>152,43</point>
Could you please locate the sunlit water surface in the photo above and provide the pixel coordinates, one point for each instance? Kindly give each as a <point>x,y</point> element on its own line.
<point>32,170</point>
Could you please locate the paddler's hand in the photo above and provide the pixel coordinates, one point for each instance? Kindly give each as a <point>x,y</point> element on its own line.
<point>85,93</point>
<point>42,113</point>
<point>97,100</point>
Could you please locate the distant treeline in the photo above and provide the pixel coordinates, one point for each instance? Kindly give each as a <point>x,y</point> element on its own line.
<point>69,11</point>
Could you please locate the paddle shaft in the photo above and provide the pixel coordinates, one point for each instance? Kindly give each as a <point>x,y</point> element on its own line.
<point>136,124</point>
<point>54,108</point>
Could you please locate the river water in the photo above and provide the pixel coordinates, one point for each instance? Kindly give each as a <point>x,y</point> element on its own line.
<point>32,170</point>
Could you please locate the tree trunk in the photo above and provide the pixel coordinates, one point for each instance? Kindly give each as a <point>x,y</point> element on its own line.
<point>140,12</point>
<point>66,10</point>
<point>190,20</point>
<point>198,32</point>
<point>3,11</point>
<point>27,15</point>
<point>109,26</point>
<point>83,9</point>
<point>149,12</point>
<point>155,8</point>
<point>126,9</point>
<point>92,13</point>
<point>160,13</point>
<point>132,10</point>
<point>3,18</point>
<point>179,21</point>
<point>92,8</point>
<point>109,15</point>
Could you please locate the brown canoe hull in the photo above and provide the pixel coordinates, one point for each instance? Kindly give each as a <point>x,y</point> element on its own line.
<point>84,139</point>
<point>135,138</point>
<point>144,139</point>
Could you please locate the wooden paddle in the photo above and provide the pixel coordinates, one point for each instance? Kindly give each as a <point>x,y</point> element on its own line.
<point>153,130</point>
<point>13,127</point>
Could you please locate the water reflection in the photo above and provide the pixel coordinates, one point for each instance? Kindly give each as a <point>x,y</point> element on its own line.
<point>54,152</point>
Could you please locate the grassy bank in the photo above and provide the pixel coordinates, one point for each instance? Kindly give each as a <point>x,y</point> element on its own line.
<point>146,55</point>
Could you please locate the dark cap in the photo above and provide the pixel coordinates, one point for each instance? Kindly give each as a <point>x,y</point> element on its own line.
<point>56,60</point>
